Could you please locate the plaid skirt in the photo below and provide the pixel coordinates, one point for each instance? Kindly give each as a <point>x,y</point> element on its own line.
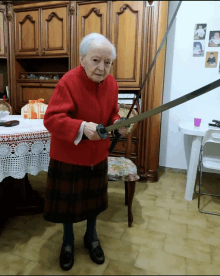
<point>75,193</point>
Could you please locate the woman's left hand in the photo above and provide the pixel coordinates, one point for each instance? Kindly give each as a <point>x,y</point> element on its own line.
<point>124,130</point>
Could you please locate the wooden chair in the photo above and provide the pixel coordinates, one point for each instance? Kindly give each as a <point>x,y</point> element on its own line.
<point>4,106</point>
<point>122,168</point>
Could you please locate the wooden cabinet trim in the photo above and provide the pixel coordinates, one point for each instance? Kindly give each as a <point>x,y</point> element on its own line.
<point>41,4</point>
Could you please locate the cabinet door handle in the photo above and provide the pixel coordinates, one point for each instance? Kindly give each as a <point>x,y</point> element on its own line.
<point>43,51</point>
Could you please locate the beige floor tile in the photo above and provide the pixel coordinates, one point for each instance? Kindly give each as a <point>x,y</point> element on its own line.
<point>111,229</point>
<point>142,199</point>
<point>138,219</point>
<point>11,264</point>
<point>188,248</point>
<point>119,250</point>
<point>169,227</point>
<point>168,236</point>
<point>146,237</point>
<point>39,250</point>
<point>110,212</point>
<point>191,218</point>
<point>201,268</point>
<point>12,239</point>
<point>166,180</point>
<point>159,192</point>
<point>205,235</point>
<point>83,265</point>
<point>212,221</point>
<point>172,203</point>
<point>118,268</point>
<point>215,252</point>
<point>179,195</point>
<point>34,268</point>
<point>160,262</point>
<point>153,211</point>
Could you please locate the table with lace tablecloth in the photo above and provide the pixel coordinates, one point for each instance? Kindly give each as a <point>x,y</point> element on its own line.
<point>23,148</point>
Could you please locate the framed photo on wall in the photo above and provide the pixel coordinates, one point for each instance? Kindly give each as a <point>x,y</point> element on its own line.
<point>198,48</point>
<point>214,39</point>
<point>211,59</point>
<point>200,31</point>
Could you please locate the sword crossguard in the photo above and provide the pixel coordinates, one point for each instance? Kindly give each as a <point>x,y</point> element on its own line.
<point>102,132</point>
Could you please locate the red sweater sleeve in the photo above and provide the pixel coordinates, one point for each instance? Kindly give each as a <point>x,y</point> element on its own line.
<point>114,115</point>
<point>56,119</point>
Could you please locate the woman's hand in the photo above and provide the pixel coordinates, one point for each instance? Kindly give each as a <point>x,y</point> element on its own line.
<point>90,131</point>
<point>123,130</point>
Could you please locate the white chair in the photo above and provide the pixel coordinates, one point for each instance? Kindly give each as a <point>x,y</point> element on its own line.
<point>209,161</point>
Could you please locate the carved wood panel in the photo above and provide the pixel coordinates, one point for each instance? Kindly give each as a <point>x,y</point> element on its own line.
<point>91,18</point>
<point>27,32</point>
<point>127,28</point>
<point>2,29</point>
<point>54,31</point>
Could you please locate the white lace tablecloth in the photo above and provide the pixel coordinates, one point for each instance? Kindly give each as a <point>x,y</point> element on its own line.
<point>23,148</point>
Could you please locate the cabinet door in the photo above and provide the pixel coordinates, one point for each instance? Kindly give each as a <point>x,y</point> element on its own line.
<point>2,32</point>
<point>32,91</point>
<point>91,18</point>
<point>26,33</point>
<point>54,31</point>
<point>127,29</point>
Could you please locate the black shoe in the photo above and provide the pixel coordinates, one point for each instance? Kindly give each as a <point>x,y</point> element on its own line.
<point>66,257</point>
<point>95,251</point>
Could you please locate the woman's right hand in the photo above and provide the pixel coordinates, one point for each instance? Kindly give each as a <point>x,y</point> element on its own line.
<point>90,131</point>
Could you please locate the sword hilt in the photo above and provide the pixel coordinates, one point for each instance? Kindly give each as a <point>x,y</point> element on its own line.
<point>102,132</point>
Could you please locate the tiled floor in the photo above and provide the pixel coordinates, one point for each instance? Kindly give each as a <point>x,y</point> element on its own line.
<point>168,237</point>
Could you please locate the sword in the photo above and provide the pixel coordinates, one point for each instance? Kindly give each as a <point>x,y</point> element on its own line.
<point>116,132</point>
<point>103,131</point>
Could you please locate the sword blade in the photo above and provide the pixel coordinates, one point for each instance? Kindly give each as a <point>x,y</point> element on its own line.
<point>166,106</point>
<point>155,58</point>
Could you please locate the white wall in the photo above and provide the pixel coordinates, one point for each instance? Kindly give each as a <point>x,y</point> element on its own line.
<point>184,74</point>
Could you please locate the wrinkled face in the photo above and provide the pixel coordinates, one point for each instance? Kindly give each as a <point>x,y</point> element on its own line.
<point>97,63</point>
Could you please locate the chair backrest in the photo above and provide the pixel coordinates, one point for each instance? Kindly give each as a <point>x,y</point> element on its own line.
<point>123,111</point>
<point>211,136</point>
<point>5,106</point>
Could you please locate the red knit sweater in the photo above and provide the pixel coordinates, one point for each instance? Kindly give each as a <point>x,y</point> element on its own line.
<point>75,99</point>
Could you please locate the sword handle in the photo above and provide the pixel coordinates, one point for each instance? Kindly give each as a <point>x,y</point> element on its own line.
<point>102,132</point>
<point>115,140</point>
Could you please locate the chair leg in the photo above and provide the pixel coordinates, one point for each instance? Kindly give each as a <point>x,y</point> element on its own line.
<point>126,193</point>
<point>130,195</point>
<point>200,189</point>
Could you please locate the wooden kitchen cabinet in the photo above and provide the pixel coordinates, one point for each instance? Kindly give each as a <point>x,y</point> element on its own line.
<point>54,31</point>
<point>127,36</point>
<point>41,32</point>
<point>90,18</point>
<point>44,36</point>
<point>27,33</point>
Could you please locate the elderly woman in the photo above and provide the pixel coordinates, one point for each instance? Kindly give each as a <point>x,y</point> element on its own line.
<point>77,177</point>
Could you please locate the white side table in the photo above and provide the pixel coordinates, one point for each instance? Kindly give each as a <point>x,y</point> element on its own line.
<point>197,134</point>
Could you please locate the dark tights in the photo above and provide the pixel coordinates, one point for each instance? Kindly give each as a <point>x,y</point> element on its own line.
<point>68,237</point>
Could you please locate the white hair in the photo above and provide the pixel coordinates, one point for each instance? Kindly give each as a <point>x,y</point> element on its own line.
<point>86,44</point>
